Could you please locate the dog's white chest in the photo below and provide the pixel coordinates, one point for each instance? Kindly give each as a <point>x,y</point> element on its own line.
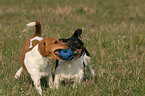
<point>36,63</point>
<point>70,69</point>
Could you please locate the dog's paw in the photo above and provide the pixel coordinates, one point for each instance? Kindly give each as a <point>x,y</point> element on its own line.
<point>17,77</point>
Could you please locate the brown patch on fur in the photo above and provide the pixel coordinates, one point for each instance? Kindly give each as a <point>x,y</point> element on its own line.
<point>37,29</point>
<point>79,51</point>
<point>25,49</point>
<point>48,45</point>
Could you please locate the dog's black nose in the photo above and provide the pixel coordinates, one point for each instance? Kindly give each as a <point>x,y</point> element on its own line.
<point>73,48</point>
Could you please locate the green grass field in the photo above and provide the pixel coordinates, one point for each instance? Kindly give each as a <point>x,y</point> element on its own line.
<point>113,32</point>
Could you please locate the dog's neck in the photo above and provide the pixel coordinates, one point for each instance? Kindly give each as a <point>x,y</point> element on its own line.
<point>36,53</point>
<point>76,61</point>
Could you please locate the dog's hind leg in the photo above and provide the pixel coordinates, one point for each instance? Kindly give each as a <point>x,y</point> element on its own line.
<point>18,73</point>
<point>87,63</point>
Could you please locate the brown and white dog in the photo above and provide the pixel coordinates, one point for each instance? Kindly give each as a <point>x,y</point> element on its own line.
<point>35,54</point>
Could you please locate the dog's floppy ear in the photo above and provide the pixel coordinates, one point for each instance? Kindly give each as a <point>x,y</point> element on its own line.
<point>41,48</point>
<point>77,33</point>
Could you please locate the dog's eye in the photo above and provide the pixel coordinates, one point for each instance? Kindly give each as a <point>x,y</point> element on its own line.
<point>76,42</point>
<point>55,42</point>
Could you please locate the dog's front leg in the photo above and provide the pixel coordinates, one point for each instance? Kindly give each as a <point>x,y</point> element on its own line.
<point>78,79</point>
<point>77,82</point>
<point>50,81</point>
<point>36,80</point>
<point>57,80</point>
<point>38,86</point>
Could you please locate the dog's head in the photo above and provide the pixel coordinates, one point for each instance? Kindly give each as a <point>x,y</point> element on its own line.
<point>51,47</point>
<point>75,43</point>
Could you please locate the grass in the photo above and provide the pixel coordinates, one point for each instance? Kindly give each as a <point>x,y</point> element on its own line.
<point>113,32</point>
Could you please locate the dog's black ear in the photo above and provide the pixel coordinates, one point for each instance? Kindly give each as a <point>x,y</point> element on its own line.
<point>63,40</point>
<point>77,33</point>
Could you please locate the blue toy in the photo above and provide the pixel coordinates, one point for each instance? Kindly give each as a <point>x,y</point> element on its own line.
<point>67,54</point>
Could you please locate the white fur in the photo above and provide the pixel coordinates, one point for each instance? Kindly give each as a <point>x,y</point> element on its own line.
<point>72,70</point>
<point>31,24</point>
<point>37,66</point>
<point>35,38</point>
<point>69,70</point>
<point>18,73</point>
<point>87,63</point>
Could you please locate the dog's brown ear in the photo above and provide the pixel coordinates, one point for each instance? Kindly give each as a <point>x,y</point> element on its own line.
<point>41,48</point>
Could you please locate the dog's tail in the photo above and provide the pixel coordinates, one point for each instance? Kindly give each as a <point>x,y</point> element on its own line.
<point>37,27</point>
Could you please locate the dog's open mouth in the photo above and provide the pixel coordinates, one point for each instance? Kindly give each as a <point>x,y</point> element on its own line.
<point>56,52</point>
<point>63,55</point>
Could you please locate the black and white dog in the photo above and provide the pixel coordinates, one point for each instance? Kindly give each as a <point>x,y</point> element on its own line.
<point>72,70</point>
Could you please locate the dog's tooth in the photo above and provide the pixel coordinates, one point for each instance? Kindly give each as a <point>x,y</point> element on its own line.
<point>56,52</point>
